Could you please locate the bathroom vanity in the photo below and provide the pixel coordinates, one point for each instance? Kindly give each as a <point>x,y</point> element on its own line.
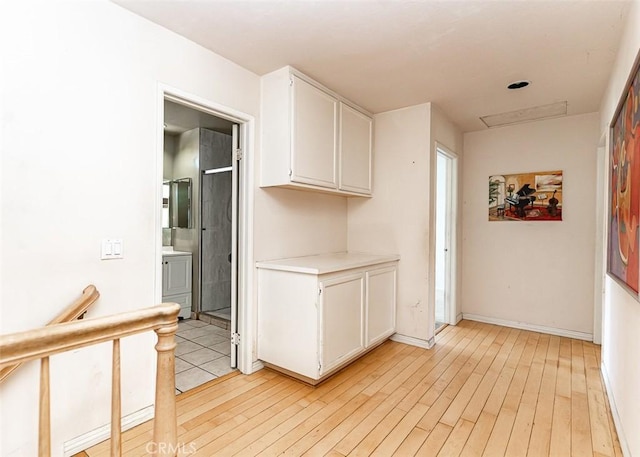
<point>318,313</point>
<point>176,279</point>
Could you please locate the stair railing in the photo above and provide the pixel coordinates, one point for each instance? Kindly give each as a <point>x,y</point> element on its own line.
<point>75,310</point>
<point>44,342</point>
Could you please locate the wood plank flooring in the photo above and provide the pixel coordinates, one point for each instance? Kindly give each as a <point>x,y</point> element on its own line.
<point>483,390</point>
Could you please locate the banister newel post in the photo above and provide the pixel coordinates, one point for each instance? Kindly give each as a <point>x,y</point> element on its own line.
<point>165,428</point>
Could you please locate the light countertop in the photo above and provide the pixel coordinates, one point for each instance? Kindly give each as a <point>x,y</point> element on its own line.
<point>327,263</point>
<point>167,251</point>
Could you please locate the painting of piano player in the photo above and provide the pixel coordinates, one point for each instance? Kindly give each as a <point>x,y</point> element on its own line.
<point>623,248</point>
<point>526,196</point>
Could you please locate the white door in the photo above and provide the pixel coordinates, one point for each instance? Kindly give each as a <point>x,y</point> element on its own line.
<point>445,238</point>
<point>235,180</point>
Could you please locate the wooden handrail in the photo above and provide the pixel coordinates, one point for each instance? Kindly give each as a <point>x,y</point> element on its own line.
<point>72,312</point>
<point>47,341</point>
<point>53,339</point>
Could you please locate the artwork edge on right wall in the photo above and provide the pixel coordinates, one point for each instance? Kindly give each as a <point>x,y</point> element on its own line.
<point>623,244</point>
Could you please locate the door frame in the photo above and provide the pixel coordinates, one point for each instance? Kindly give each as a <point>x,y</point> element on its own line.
<point>451,235</point>
<point>600,258</point>
<point>246,311</point>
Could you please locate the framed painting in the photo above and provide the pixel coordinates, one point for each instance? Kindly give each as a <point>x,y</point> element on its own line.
<point>623,250</point>
<point>534,196</point>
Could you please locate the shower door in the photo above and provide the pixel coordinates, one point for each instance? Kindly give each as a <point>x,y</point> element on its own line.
<point>217,284</point>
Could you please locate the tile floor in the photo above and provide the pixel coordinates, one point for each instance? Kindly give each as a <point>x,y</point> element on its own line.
<point>202,353</point>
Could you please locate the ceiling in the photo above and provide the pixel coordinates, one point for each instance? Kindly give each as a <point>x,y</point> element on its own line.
<point>389,54</point>
<point>179,118</point>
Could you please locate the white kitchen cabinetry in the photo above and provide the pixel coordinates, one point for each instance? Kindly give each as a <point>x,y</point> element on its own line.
<point>318,313</point>
<point>341,316</point>
<point>176,280</point>
<point>356,132</point>
<point>381,290</point>
<point>312,138</point>
<point>314,132</point>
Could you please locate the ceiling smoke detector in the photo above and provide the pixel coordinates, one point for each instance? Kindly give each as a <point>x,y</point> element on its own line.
<point>518,85</point>
<point>526,115</point>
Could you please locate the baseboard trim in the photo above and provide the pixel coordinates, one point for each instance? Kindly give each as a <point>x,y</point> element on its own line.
<point>256,366</point>
<point>532,327</point>
<point>98,435</point>
<point>412,341</point>
<point>614,412</point>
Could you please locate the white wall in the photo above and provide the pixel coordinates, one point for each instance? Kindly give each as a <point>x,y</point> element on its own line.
<point>79,122</point>
<point>621,312</point>
<point>398,218</point>
<point>292,223</point>
<point>535,273</point>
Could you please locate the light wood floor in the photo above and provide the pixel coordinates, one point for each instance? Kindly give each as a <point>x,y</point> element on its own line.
<point>482,390</point>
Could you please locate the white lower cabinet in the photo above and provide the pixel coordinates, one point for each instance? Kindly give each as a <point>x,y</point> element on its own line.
<point>318,313</point>
<point>341,320</point>
<point>176,280</point>
<point>380,318</point>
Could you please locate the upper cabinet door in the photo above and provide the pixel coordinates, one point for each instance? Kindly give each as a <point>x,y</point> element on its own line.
<point>356,130</point>
<point>315,128</point>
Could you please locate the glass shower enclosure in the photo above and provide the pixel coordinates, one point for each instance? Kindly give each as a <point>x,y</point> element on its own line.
<point>216,156</point>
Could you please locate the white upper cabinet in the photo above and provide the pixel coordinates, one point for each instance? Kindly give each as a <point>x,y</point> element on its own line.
<point>356,131</point>
<point>312,138</point>
<point>315,131</point>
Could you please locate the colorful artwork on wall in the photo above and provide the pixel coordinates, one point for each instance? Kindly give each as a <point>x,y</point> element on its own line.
<point>623,249</point>
<point>535,196</point>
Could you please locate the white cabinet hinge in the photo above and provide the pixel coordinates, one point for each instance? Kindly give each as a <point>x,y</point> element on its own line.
<point>235,339</point>
<point>239,154</point>
<point>291,81</point>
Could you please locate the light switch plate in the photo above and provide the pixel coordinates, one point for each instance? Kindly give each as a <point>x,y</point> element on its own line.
<point>111,248</point>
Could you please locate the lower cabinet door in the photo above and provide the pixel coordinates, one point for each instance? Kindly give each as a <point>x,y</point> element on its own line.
<point>184,300</point>
<point>381,304</point>
<point>341,320</point>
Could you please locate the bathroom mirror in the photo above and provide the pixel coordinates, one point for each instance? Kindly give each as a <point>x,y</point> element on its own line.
<point>176,203</point>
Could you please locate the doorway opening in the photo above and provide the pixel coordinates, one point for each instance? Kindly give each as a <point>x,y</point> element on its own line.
<point>445,238</point>
<point>203,148</point>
